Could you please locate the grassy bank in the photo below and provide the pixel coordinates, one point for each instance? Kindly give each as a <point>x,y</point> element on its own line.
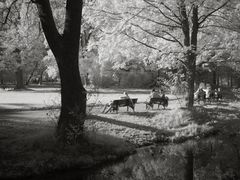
<point>29,147</point>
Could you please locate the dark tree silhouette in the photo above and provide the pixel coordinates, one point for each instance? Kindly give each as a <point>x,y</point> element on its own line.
<point>65,48</point>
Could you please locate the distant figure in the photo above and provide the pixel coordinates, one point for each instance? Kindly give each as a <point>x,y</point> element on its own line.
<point>125,95</point>
<point>219,94</point>
<point>200,94</point>
<point>208,92</point>
<point>154,94</point>
<point>161,99</point>
<point>109,105</point>
<point>164,98</point>
<point>196,94</point>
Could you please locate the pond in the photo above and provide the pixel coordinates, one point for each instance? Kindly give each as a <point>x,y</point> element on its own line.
<point>201,160</point>
<point>213,158</point>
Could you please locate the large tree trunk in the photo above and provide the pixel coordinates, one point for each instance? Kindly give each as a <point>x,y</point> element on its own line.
<point>189,168</point>
<point>214,79</point>
<point>190,42</point>
<point>40,79</point>
<point>1,78</point>
<point>66,51</point>
<point>73,109</point>
<point>32,73</point>
<point>19,71</point>
<point>191,79</point>
<point>19,79</point>
<point>192,56</point>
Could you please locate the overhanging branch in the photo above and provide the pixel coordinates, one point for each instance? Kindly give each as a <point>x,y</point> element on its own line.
<point>145,44</point>
<point>8,12</point>
<point>176,40</point>
<point>164,15</point>
<point>157,22</point>
<point>174,14</point>
<point>153,34</point>
<point>49,27</point>
<point>203,18</point>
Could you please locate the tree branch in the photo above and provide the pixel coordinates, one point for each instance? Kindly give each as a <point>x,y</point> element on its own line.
<point>221,26</point>
<point>164,15</point>
<point>176,40</point>
<point>8,12</point>
<point>145,44</point>
<point>49,27</point>
<point>204,17</point>
<point>71,33</point>
<point>184,63</point>
<point>157,22</point>
<point>153,34</point>
<point>185,23</point>
<point>174,14</point>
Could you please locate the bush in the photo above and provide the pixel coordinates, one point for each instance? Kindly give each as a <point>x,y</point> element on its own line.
<point>136,80</point>
<point>107,82</point>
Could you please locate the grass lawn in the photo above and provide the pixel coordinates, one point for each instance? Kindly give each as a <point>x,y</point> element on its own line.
<point>29,147</point>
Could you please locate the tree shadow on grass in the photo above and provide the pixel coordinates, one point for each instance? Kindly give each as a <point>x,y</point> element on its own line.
<point>217,117</point>
<point>15,106</point>
<point>220,103</point>
<point>148,113</point>
<point>21,141</point>
<point>222,114</point>
<point>142,114</point>
<point>230,95</point>
<point>158,109</point>
<point>25,118</point>
<point>47,91</point>
<point>131,125</point>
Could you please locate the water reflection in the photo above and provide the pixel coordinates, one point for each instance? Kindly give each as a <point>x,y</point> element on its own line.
<point>209,159</point>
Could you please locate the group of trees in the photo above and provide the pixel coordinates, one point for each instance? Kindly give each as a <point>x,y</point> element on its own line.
<point>25,57</point>
<point>123,36</point>
<point>169,34</point>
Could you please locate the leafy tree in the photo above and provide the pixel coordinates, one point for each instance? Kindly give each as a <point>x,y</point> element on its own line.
<point>63,40</point>
<point>34,62</point>
<point>88,62</point>
<point>24,43</point>
<point>171,29</point>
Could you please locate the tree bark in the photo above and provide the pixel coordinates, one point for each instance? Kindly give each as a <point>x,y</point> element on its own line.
<point>31,74</point>
<point>19,71</point>
<point>189,168</point>
<point>66,51</point>
<point>193,55</point>
<point>19,79</point>
<point>214,79</point>
<point>190,42</point>
<point>40,79</point>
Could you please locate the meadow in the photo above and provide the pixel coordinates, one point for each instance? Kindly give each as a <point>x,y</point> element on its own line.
<point>28,120</point>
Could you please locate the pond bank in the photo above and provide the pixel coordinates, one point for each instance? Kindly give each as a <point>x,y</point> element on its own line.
<point>212,158</point>
<point>28,144</point>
